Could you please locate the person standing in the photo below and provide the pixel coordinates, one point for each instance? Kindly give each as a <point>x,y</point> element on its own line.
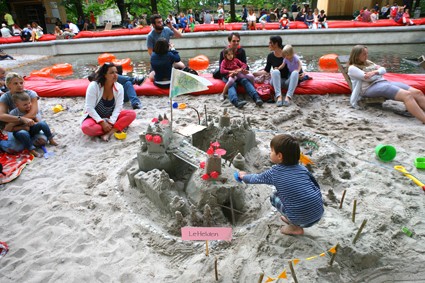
<point>93,20</point>
<point>9,20</point>
<point>220,13</point>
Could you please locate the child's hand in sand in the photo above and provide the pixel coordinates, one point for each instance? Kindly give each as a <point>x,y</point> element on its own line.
<point>241,174</point>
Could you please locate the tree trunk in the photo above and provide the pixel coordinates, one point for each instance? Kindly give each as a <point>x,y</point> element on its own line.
<point>79,7</point>
<point>121,8</point>
<point>154,7</point>
<point>232,11</point>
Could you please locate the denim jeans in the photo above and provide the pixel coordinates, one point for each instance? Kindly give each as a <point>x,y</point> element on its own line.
<point>129,91</point>
<point>278,82</point>
<point>27,137</point>
<point>249,88</point>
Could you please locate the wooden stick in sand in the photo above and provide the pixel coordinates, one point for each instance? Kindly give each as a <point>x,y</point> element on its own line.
<point>261,278</point>
<point>231,207</point>
<point>291,267</point>
<point>353,217</point>
<point>360,231</point>
<point>334,255</point>
<point>216,270</point>
<point>207,252</point>
<point>342,199</point>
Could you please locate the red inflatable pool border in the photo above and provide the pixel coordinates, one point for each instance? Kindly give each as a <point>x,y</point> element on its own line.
<point>321,84</point>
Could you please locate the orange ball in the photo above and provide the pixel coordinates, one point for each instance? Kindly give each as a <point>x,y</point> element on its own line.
<point>328,63</point>
<point>198,63</point>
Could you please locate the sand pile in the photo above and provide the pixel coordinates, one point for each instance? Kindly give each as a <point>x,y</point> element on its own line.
<point>75,217</point>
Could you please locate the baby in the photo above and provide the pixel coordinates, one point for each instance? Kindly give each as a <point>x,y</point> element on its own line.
<point>233,69</point>
<point>23,106</point>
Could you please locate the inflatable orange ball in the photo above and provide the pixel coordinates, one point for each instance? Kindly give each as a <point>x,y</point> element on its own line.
<point>328,63</point>
<point>105,57</point>
<point>199,63</point>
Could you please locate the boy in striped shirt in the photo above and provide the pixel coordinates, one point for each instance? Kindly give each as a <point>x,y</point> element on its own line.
<point>297,197</point>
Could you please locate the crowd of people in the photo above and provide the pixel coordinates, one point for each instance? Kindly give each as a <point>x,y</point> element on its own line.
<point>104,112</point>
<point>400,14</point>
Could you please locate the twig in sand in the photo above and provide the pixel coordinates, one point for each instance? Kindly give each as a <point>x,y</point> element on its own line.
<point>342,199</point>
<point>353,217</point>
<point>360,231</point>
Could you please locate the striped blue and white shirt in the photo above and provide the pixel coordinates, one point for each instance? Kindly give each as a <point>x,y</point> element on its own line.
<point>297,189</point>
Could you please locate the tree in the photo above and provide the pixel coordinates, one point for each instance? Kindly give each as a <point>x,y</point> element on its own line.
<point>74,9</point>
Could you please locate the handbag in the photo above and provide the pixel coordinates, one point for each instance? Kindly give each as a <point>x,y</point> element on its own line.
<point>216,74</point>
<point>265,92</point>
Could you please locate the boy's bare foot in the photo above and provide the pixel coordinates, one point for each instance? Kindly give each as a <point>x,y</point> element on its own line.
<point>53,142</point>
<point>284,219</point>
<point>35,153</point>
<point>292,230</point>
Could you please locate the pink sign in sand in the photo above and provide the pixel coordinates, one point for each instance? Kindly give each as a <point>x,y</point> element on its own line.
<point>206,233</point>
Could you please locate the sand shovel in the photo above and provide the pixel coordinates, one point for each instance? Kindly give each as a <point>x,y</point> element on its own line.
<point>410,176</point>
<point>46,153</point>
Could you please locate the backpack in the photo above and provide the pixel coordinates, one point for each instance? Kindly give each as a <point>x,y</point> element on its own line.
<point>191,71</point>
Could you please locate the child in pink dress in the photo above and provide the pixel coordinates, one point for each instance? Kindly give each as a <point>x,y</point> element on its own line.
<point>233,69</point>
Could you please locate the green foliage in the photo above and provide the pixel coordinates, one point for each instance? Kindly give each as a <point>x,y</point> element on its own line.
<point>3,6</point>
<point>237,19</point>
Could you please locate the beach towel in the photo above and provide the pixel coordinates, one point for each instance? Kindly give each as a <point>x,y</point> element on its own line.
<point>12,164</point>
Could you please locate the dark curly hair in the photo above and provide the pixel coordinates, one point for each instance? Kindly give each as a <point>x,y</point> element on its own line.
<point>101,72</point>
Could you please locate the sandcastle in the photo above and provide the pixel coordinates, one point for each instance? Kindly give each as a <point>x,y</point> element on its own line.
<point>190,175</point>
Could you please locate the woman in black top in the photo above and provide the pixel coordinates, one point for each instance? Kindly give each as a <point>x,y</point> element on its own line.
<point>279,78</point>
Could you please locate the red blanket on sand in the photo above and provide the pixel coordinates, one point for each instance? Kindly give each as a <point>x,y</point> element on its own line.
<point>13,164</point>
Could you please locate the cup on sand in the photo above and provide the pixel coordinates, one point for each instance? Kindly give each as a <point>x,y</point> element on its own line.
<point>385,152</point>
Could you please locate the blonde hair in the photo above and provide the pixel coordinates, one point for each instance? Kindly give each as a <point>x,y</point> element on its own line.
<point>288,50</point>
<point>354,57</point>
<point>11,76</point>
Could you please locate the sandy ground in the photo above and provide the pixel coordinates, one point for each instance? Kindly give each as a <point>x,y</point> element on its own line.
<point>75,218</point>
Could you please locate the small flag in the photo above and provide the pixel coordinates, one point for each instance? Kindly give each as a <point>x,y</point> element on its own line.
<point>269,279</point>
<point>332,250</point>
<point>295,261</point>
<point>322,254</point>
<point>310,258</point>
<point>183,82</point>
<point>283,275</point>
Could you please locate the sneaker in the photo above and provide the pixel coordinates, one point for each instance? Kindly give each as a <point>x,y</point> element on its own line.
<point>137,106</point>
<point>259,102</point>
<point>279,103</point>
<point>286,103</point>
<point>138,80</point>
<point>222,97</point>
<point>241,104</point>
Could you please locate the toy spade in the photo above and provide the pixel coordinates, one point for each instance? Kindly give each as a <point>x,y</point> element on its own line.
<point>410,176</point>
<point>46,153</point>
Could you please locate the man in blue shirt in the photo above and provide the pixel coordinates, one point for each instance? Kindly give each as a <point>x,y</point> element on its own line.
<point>159,31</point>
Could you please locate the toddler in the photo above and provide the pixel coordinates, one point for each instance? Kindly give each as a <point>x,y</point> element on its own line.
<point>284,22</point>
<point>297,197</point>
<point>233,69</point>
<point>23,106</point>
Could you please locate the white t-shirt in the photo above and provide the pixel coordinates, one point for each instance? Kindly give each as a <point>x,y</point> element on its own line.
<point>74,28</point>
<point>5,32</point>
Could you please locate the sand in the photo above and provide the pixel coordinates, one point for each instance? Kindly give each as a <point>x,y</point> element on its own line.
<point>75,218</point>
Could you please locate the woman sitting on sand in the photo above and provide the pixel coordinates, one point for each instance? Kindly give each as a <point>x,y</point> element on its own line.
<point>103,112</point>
<point>367,81</point>
<point>15,84</point>
<point>163,58</point>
